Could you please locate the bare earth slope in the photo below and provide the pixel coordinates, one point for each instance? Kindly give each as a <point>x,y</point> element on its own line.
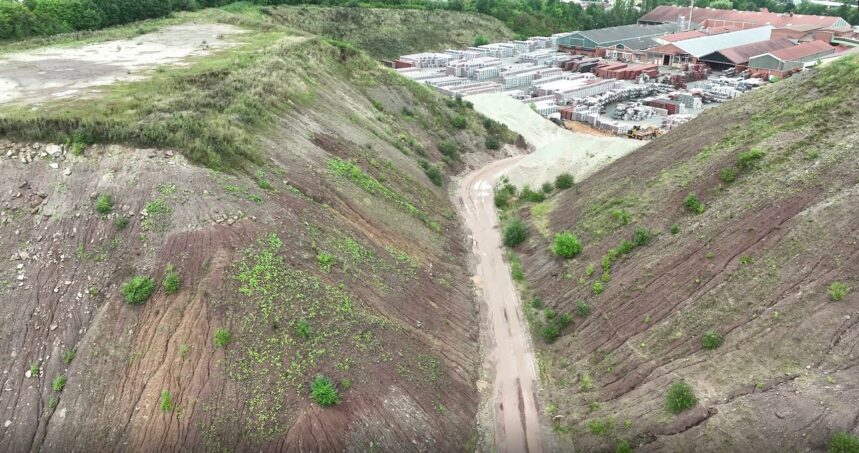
<point>328,251</point>
<point>755,267</point>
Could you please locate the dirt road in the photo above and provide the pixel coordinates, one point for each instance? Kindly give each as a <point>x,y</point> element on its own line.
<point>510,354</point>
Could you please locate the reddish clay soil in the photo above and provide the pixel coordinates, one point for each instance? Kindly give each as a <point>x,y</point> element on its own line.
<point>755,267</point>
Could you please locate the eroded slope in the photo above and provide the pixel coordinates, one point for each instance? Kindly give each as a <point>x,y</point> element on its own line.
<point>775,173</point>
<point>325,249</point>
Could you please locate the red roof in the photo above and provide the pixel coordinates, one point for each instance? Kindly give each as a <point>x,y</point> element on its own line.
<point>802,50</point>
<point>716,17</point>
<point>741,54</point>
<point>684,35</point>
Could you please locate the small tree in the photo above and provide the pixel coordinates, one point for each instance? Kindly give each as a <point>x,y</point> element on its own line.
<point>728,175</point>
<point>515,232</point>
<point>223,338</point>
<point>480,40</point>
<point>711,340</point>
<point>641,237</point>
<point>680,397</point>
<point>566,245</point>
<point>322,391</point>
<point>138,289</point>
<point>547,187</point>
<point>458,122</point>
<point>564,181</point>
<point>492,143</point>
<point>104,204</point>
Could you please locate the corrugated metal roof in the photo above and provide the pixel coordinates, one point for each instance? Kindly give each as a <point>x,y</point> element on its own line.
<point>698,47</point>
<point>668,13</point>
<point>742,54</point>
<point>624,32</point>
<point>640,43</point>
<point>801,51</point>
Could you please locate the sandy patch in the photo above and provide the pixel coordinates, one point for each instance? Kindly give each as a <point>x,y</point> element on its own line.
<point>52,73</point>
<point>557,150</point>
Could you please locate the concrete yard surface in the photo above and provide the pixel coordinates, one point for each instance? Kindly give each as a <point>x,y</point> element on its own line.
<point>556,150</point>
<point>51,73</point>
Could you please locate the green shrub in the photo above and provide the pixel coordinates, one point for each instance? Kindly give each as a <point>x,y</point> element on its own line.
<point>322,391</point>
<point>566,245</point>
<point>623,447</point>
<point>692,204</point>
<point>589,270</point>
<point>547,187</point>
<point>166,401</point>
<point>223,338</point>
<point>302,327</point>
<point>448,148</point>
<point>641,237</point>
<point>750,158</point>
<point>728,175</point>
<point>626,247</point>
<point>843,443</point>
<point>492,143</point>
<point>837,290</point>
<point>599,426</point>
<point>680,397</point>
<point>564,181</point>
<point>104,204</point>
<point>458,122</point>
<point>138,289</point>
<point>35,370</point>
<point>120,223</point>
<point>502,199</point>
<point>515,232</point>
<point>554,325</point>
<point>550,332</point>
<point>549,313</point>
<point>711,340</point>
<point>675,229</point>
<point>433,173</point>
<point>536,303</point>
<point>621,216</point>
<point>515,267</point>
<point>480,40</point>
<point>59,383</point>
<point>171,282</point>
<point>597,287</point>
<point>532,196</point>
<point>69,356</point>
<point>325,260</point>
<point>582,309</point>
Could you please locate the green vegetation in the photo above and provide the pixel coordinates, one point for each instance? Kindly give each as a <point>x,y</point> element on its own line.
<point>69,355</point>
<point>600,426</point>
<point>53,402</point>
<point>120,223</point>
<point>623,447</point>
<point>537,303</point>
<point>547,187</point>
<point>515,267</point>
<point>693,205</point>
<point>302,328</point>
<point>837,290</point>
<point>35,370</point>
<point>750,158</point>
<point>480,40</point>
<point>597,287</point>
<point>223,337</point>
<point>514,233</point>
<point>641,237</point>
<point>458,121</point>
<point>322,391</point>
<point>432,172</point>
<point>728,175</point>
<point>325,260</point>
<point>675,229</point>
<point>711,339</point>
<point>171,281</point>
<point>551,330</point>
<point>566,245</point>
<point>59,383</point>
<point>138,289</point>
<point>842,442</point>
<point>503,195</point>
<point>166,401</point>
<point>680,397</point>
<point>582,309</point>
<point>104,204</point>
<point>564,181</point>
<point>492,143</point>
<point>531,195</point>
<point>621,216</point>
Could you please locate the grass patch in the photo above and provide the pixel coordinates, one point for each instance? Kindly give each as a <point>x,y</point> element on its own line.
<point>171,281</point>
<point>680,397</point>
<point>59,383</point>
<point>223,337</point>
<point>104,204</point>
<point>711,340</point>
<point>166,401</point>
<point>837,290</point>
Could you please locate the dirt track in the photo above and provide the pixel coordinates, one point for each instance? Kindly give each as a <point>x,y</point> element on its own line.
<point>515,405</point>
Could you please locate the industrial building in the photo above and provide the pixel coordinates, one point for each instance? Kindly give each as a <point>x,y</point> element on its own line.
<point>711,17</point>
<point>690,50</point>
<point>588,42</point>
<point>738,57</point>
<point>780,63</point>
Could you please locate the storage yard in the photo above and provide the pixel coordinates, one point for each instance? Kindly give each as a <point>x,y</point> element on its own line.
<point>643,79</point>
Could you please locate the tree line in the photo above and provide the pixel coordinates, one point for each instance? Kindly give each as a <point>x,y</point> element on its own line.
<point>525,17</point>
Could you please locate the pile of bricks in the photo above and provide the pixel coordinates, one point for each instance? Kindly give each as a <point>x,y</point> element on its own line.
<point>623,71</point>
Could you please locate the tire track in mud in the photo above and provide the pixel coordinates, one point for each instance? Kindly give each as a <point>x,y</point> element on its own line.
<point>510,354</point>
